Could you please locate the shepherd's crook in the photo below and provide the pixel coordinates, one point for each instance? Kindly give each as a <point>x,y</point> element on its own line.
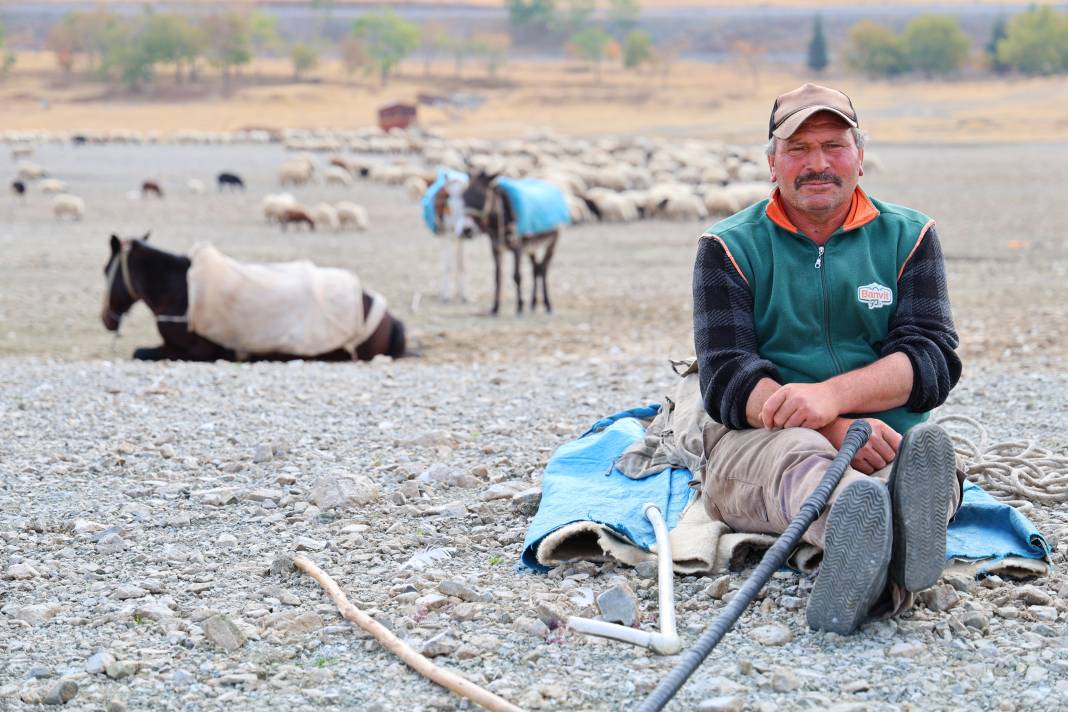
<point>856,436</point>
<point>423,666</point>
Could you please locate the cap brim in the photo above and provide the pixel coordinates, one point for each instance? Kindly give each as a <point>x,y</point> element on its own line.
<point>787,128</point>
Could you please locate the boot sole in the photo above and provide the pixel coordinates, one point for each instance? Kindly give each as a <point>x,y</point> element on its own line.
<point>856,553</point>
<point>919,484</point>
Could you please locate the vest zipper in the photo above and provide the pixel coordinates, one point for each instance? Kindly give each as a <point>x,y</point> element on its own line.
<point>826,310</point>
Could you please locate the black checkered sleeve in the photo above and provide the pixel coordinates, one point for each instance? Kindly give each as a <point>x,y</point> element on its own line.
<point>724,336</point>
<point>922,327</point>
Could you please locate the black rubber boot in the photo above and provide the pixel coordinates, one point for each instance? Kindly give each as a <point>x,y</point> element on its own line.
<point>920,483</point>
<point>856,553</point>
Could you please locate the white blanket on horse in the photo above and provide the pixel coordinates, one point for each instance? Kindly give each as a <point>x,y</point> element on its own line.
<point>287,307</point>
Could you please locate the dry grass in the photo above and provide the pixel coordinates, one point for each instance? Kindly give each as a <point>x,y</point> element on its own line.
<point>727,101</point>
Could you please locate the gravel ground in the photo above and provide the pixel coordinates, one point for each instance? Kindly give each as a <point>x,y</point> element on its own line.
<point>145,507</point>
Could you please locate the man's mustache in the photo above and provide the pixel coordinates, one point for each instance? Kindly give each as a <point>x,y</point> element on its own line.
<point>816,178</point>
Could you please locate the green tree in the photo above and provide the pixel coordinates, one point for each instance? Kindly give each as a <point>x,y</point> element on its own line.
<point>935,44</point>
<point>997,33</point>
<point>637,49</point>
<point>353,55</point>
<point>168,38</point>
<point>98,31</point>
<point>227,42</point>
<point>623,16</point>
<point>817,47</point>
<point>493,48</point>
<point>305,58</point>
<point>263,32</point>
<point>575,17</point>
<point>531,19</point>
<point>876,50</point>
<point>64,42</point>
<point>590,44</point>
<point>1036,42</point>
<point>9,58</point>
<point>387,38</point>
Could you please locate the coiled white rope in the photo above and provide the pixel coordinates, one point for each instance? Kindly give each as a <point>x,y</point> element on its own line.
<point>1017,472</point>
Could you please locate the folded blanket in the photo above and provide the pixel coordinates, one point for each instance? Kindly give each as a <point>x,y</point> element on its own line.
<point>539,206</point>
<point>591,510</point>
<point>287,307</point>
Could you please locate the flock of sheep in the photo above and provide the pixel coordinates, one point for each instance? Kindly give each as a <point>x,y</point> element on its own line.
<point>606,179</point>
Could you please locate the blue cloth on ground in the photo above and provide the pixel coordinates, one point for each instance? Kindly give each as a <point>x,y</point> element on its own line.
<point>539,206</point>
<point>581,484</point>
<point>444,176</point>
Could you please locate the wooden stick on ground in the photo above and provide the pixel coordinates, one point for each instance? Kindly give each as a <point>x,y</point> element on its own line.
<point>450,681</point>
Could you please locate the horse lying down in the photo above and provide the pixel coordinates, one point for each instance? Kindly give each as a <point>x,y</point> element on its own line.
<point>209,307</point>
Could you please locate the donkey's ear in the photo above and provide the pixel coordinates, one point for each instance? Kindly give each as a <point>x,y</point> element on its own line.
<point>116,245</point>
<point>145,238</point>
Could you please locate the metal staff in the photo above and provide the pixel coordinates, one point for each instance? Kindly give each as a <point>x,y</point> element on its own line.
<point>856,436</point>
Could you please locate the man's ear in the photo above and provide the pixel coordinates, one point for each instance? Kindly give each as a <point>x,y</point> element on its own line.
<point>771,168</point>
<point>861,152</point>
<point>116,244</point>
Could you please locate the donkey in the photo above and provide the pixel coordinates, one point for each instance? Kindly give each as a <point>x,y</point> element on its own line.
<point>492,212</point>
<point>136,271</point>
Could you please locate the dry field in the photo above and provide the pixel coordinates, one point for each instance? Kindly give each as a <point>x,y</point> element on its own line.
<point>728,101</point>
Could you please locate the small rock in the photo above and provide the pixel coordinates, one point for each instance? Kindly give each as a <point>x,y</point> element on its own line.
<point>531,626</point>
<point>646,569</point>
<point>718,588</point>
<point>791,603</point>
<point>304,543</point>
<point>526,503</point>
<point>726,703</point>
<point>220,630</point>
<point>38,613</point>
<point>940,598</point>
<point>551,615</point>
<point>783,680</point>
<point>1036,673</point>
<point>1033,596</point>
<point>771,634</point>
<point>619,605</point>
<point>60,693</point>
<point>98,662</point>
<point>459,590</point>
<point>343,491</point>
<point>977,620</point>
<point>440,644</point>
<point>127,592</point>
<point>263,453</point>
<point>263,495</point>
<point>1044,613</point>
<point>217,497</point>
<point>1008,612</point>
<point>118,669</point>
<point>116,705</point>
<point>959,582</point>
<point>21,572</point>
<point>504,490</point>
<point>905,649</point>
<point>112,543</point>
<point>182,678</point>
<point>226,541</point>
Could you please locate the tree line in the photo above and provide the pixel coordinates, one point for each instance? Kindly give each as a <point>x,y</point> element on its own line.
<point>1032,42</point>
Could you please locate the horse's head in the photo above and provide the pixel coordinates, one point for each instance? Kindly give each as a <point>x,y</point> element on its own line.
<point>119,295</point>
<point>477,196</point>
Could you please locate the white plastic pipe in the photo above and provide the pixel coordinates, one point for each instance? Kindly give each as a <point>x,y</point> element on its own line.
<point>666,642</point>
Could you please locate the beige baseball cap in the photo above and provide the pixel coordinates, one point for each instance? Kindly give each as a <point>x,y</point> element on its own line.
<point>792,108</point>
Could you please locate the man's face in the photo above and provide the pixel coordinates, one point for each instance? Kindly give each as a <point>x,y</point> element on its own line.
<point>818,167</point>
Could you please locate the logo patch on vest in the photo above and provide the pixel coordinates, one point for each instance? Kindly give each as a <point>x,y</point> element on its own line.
<point>875,295</point>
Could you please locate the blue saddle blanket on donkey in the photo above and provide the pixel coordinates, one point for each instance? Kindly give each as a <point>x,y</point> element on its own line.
<point>539,206</point>
<point>582,484</point>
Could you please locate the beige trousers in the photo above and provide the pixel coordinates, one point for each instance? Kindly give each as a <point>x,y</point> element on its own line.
<point>756,480</point>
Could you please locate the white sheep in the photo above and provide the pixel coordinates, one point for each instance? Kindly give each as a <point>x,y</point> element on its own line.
<point>415,187</point>
<point>748,193</point>
<point>52,185</point>
<point>325,214</point>
<point>195,186</point>
<point>28,170</point>
<point>67,205</point>
<point>351,214</point>
<point>296,171</point>
<point>335,175</point>
<point>274,204</point>
<point>720,201</point>
<point>612,206</point>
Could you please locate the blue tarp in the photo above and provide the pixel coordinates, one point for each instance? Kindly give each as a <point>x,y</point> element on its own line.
<point>444,175</point>
<point>581,484</point>
<point>539,206</point>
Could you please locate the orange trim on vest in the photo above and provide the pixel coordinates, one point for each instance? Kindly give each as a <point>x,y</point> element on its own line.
<point>861,212</point>
<point>923,234</point>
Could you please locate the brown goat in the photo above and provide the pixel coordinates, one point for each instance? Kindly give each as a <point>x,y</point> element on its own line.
<point>295,215</point>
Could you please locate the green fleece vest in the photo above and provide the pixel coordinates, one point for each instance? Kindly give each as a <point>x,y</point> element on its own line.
<point>822,311</point>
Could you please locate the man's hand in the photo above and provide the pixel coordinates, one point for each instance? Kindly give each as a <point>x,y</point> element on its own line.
<point>800,405</point>
<point>876,454</point>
